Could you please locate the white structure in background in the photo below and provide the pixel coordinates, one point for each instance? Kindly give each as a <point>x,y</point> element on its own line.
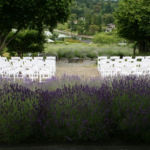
<point>47,33</point>
<point>122,43</point>
<point>49,41</point>
<point>14,30</point>
<point>64,36</point>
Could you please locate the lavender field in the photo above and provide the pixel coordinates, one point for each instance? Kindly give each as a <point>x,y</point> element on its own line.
<point>74,109</point>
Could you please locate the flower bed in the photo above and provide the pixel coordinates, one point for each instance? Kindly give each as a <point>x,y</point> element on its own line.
<point>70,108</point>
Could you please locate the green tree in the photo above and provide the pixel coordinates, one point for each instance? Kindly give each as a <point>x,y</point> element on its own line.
<point>25,42</point>
<point>96,8</point>
<point>106,38</point>
<point>93,29</point>
<point>133,22</point>
<point>32,14</point>
<point>97,20</point>
<point>107,18</point>
<point>107,7</point>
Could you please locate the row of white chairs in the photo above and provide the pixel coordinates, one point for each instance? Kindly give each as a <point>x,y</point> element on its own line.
<point>35,69</point>
<point>126,66</point>
<point>124,58</point>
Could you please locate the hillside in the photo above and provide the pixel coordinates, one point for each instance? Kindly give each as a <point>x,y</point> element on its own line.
<point>89,17</point>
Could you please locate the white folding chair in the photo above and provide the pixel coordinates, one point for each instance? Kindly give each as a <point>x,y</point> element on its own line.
<point>103,61</point>
<point>28,63</point>
<point>38,58</point>
<point>38,62</point>
<point>147,60</point>
<point>51,63</point>
<point>12,61</point>
<point>147,57</point>
<point>50,58</point>
<point>137,58</point>
<point>18,68</point>
<point>132,61</point>
<point>125,71</point>
<point>9,72</point>
<point>126,58</point>
<point>27,71</point>
<point>3,58</point>
<point>14,73</point>
<point>118,67</point>
<point>45,73</point>
<point>102,57</point>
<point>107,70</point>
<point>114,57</point>
<point>27,58</point>
<point>142,71</point>
<point>132,66</point>
<point>15,58</point>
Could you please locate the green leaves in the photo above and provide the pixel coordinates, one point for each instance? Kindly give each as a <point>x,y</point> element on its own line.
<point>32,14</point>
<point>132,18</point>
<point>27,41</point>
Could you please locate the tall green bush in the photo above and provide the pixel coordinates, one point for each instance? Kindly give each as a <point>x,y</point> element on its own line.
<point>27,41</point>
<point>106,38</point>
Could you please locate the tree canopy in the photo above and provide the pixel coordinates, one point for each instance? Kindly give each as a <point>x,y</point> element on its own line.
<point>30,14</point>
<point>26,41</point>
<point>133,22</point>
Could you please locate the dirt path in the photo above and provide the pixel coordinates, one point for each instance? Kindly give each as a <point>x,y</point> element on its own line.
<point>89,71</point>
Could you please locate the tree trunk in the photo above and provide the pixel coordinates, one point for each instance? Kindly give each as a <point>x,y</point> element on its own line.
<point>143,46</point>
<point>134,49</point>
<point>4,41</point>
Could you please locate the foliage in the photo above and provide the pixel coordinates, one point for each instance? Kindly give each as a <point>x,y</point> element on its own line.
<point>84,49</point>
<point>93,29</point>
<point>72,41</point>
<point>108,108</point>
<point>62,26</point>
<point>26,41</point>
<point>35,14</point>
<point>131,19</point>
<point>107,18</point>
<point>90,12</point>
<point>106,38</point>
<point>54,36</point>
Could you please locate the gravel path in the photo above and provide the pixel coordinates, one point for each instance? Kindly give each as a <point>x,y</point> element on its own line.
<point>83,64</point>
<point>86,69</point>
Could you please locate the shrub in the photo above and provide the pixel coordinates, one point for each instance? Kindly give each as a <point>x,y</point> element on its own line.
<point>72,41</point>
<point>61,53</point>
<point>25,42</point>
<point>106,38</point>
<point>92,54</point>
<point>58,42</point>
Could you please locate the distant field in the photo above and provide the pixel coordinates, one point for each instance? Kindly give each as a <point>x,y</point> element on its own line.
<point>85,50</point>
<point>82,48</point>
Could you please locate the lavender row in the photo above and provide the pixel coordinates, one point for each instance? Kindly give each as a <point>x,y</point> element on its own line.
<point>76,112</point>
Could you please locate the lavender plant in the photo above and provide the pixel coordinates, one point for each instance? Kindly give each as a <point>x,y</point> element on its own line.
<point>18,110</point>
<point>74,113</point>
<point>72,108</point>
<point>131,107</point>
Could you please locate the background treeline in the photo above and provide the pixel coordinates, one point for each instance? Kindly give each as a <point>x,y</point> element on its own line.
<point>89,16</point>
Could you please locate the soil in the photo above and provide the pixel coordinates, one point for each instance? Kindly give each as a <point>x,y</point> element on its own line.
<point>87,72</point>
